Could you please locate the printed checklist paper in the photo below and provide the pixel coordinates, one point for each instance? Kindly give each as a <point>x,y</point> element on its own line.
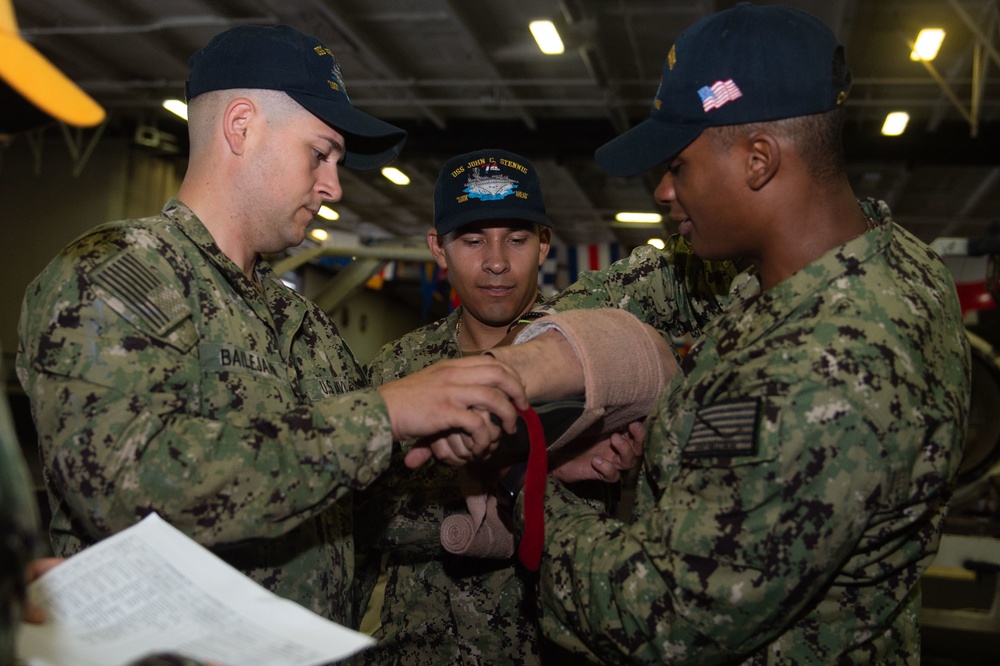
<point>150,589</point>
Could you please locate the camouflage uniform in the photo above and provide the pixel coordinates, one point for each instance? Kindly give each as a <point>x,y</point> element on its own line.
<point>18,531</point>
<point>796,472</point>
<point>438,608</point>
<point>162,379</point>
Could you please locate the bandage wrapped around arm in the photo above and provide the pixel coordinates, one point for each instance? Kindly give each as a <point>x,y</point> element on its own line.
<point>625,366</point>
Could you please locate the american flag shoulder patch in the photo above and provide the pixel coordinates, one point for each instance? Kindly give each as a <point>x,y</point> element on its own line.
<point>727,428</point>
<point>717,94</point>
<point>137,292</point>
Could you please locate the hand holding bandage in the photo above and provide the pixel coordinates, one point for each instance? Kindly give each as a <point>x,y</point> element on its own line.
<point>608,355</point>
<point>569,353</point>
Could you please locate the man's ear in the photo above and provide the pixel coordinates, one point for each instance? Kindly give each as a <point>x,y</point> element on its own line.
<point>236,119</point>
<point>544,243</point>
<point>436,245</point>
<point>763,159</point>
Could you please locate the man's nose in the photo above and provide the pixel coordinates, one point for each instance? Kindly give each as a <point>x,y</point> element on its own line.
<point>329,183</point>
<point>664,192</point>
<point>496,259</point>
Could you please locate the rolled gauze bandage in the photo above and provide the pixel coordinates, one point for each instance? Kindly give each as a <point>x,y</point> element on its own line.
<point>481,532</point>
<point>623,372</point>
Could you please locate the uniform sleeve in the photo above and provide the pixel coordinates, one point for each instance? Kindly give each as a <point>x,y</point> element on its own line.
<point>728,556</point>
<point>670,289</point>
<point>120,436</point>
<point>404,508</point>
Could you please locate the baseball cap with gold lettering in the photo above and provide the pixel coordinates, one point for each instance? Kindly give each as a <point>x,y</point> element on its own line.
<point>747,64</point>
<point>281,58</point>
<point>489,184</point>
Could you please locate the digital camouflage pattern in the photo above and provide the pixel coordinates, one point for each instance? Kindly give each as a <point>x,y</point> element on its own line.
<point>18,531</point>
<point>162,379</point>
<point>672,289</point>
<point>796,472</point>
<point>438,608</point>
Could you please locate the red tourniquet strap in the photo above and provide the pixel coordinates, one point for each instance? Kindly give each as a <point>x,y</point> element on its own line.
<point>530,549</point>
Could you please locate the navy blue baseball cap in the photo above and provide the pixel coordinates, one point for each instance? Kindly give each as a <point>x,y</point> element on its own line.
<point>490,184</point>
<point>282,58</point>
<point>743,65</point>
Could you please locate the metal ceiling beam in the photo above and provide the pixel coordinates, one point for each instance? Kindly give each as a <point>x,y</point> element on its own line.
<point>381,253</point>
<point>982,190</point>
<point>595,60</point>
<point>982,44</point>
<point>366,262</point>
<point>458,12</point>
<point>973,26</point>
<point>174,22</point>
<point>350,278</point>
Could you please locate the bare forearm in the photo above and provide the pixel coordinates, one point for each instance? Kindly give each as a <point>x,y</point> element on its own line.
<point>548,365</point>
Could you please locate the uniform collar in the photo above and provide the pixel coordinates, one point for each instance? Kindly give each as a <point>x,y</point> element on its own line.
<point>756,313</point>
<point>192,227</point>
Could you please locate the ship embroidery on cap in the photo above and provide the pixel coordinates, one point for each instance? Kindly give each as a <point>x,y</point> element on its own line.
<point>720,92</point>
<point>490,185</point>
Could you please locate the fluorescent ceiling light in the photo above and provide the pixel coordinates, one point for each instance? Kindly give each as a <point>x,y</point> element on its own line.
<point>927,44</point>
<point>176,107</point>
<point>657,243</point>
<point>395,175</point>
<point>639,218</point>
<point>319,234</point>
<point>547,36</point>
<point>328,213</point>
<point>895,123</point>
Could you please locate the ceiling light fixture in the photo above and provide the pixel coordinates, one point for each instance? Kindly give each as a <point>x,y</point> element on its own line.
<point>639,218</point>
<point>547,37</point>
<point>927,44</point>
<point>395,175</point>
<point>328,213</point>
<point>895,123</point>
<point>176,107</point>
<point>319,234</point>
<point>657,243</point>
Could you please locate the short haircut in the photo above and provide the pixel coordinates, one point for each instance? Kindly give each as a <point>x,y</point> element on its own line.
<point>204,110</point>
<point>818,138</point>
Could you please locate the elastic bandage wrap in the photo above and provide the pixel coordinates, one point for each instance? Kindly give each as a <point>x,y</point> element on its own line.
<point>481,532</point>
<point>623,371</point>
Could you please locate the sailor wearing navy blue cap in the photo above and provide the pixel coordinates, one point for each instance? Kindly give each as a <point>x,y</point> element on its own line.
<point>797,470</point>
<point>491,234</point>
<point>282,58</point>
<point>171,370</point>
<point>728,69</point>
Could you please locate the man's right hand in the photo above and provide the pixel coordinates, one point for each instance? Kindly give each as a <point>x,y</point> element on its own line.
<point>448,405</point>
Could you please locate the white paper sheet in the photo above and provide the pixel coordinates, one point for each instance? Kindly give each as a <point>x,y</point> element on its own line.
<point>151,589</point>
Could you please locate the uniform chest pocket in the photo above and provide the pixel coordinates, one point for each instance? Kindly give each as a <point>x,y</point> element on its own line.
<point>234,379</point>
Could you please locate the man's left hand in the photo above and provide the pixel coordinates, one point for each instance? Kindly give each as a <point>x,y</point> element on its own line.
<point>607,459</point>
